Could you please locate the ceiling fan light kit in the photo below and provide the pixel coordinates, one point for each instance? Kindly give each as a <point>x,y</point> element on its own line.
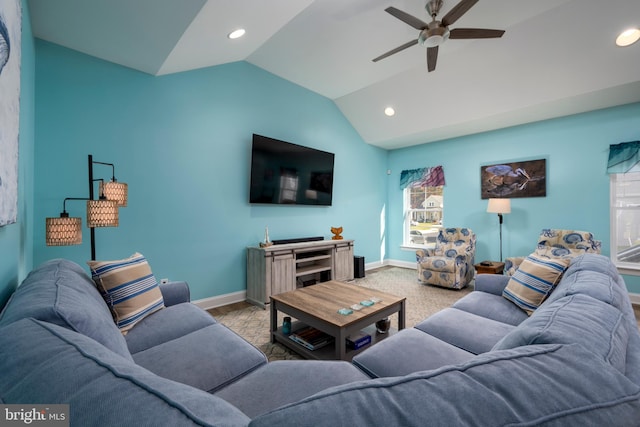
<point>433,37</point>
<point>435,33</point>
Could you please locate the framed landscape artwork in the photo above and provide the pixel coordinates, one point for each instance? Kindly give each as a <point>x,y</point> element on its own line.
<point>518,179</point>
<point>10,39</point>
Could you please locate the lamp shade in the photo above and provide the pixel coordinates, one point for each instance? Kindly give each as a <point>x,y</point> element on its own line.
<point>113,190</point>
<point>64,231</point>
<point>102,213</point>
<point>499,206</point>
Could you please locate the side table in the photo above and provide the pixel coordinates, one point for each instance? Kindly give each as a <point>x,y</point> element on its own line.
<point>495,268</point>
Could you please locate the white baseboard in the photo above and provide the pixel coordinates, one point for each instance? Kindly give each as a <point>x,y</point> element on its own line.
<point>391,262</point>
<point>220,300</point>
<point>635,298</point>
<point>404,264</point>
<point>373,265</point>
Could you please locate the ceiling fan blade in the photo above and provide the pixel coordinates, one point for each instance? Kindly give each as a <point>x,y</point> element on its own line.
<point>432,58</point>
<point>396,50</point>
<point>406,18</point>
<point>457,11</point>
<point>475,33</point>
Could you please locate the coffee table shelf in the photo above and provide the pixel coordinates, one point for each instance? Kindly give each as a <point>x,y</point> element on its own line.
<point>318,305</point>
<point>328,352</point>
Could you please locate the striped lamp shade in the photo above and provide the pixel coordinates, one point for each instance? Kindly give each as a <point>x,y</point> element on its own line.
<point>64,231</point>
<point>102,213</point>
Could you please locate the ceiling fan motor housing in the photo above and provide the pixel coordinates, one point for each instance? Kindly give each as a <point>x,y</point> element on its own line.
<point>433,35</point>
<point>433,7</point>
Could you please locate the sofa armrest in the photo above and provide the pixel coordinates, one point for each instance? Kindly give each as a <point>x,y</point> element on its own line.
<point>491,283</point>
<point>175,293</point>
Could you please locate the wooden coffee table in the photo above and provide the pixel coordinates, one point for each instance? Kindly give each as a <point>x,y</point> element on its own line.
<point>318,306</point>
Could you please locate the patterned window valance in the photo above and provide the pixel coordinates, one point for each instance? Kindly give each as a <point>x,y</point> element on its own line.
<point>424,177</point>
<point>624,157</point>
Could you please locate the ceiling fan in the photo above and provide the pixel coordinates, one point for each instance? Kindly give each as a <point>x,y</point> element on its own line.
<point>436,32</point>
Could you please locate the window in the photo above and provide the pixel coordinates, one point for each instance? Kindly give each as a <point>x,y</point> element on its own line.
<point>423,214</point>
<point>625,220</point>
<point>422,205</point>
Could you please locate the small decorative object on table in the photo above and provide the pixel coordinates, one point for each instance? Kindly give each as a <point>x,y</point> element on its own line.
<point>266,241</point>
<point>286,325</point>
<point>382,326</point>
<point>336,233</point>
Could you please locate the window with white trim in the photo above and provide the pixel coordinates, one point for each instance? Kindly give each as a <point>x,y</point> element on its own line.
<point>423,215</point>
<point>623,168</point>
<point>423,203</point>
<point>625,220</point>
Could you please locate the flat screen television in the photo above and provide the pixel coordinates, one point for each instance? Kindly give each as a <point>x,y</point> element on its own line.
<point>290,174</point>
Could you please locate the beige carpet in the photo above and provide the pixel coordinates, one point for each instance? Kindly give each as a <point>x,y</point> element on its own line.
<point>252,323</point>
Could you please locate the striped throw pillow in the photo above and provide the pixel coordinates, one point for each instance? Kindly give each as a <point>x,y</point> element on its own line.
<point>534,280</point>
<point>129,288</point>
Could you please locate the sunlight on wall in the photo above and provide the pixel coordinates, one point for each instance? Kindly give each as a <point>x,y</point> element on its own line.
<point>383,221</point>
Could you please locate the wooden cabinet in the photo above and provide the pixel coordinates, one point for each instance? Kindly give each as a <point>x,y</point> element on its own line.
<point>343,262</point>
<point>281,268</point>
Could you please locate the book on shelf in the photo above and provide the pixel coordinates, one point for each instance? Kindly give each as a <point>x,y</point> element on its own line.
<point>311,338</point>
<point>358,340</point>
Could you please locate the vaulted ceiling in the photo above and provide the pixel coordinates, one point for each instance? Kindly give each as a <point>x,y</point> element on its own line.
<point>557,57</point>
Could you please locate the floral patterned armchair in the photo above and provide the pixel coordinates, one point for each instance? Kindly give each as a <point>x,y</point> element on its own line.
<point>450,263</point>
<point>556,243</point>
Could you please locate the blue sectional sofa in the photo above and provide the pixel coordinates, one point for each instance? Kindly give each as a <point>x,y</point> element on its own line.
<point>483,361</point>
<point>59,344</point>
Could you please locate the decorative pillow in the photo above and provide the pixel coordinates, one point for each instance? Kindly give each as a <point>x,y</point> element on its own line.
<point>129,288</point>
<point>534,281</point>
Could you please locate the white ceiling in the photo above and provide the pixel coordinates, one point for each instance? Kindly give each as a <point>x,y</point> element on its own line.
<point>557,57</point>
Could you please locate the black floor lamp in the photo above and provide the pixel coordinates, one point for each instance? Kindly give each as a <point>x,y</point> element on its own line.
<point>102,212</point>
<point>499,206</point>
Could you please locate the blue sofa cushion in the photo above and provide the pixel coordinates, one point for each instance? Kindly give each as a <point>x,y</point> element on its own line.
<point>61,292</point>
<point>287,381</point>
<point>167,325</point>
<point>409,350</point>
<point>589,274</point>
<point>465,330</point>
<point>208,358</point>
<point>491,306</point>
<point>129,288</point>
<point>535,385</point>
<point>579,319</point>
<point>101,387</point>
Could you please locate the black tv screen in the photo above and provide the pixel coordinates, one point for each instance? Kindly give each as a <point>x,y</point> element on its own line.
<point>286,173</point>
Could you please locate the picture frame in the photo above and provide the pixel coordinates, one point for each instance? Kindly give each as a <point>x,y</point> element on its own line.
<point>515,179</point>
<point>10,58</point>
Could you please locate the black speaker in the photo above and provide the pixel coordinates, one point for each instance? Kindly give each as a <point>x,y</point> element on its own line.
<point>358,267</point>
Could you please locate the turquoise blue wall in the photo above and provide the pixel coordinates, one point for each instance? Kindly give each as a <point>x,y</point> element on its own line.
<point>576,150</point>
<point>16,239</point>
<point>182,143</point>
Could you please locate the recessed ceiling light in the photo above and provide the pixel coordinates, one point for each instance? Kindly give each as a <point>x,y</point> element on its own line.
<point>236,33</point>
<point>389,111</point>
<point>628,37</point>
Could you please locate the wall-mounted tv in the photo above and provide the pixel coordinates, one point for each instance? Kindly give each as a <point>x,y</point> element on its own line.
<point>286,173</point>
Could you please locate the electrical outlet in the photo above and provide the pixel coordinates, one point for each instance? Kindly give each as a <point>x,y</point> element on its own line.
<point>164,281</point>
